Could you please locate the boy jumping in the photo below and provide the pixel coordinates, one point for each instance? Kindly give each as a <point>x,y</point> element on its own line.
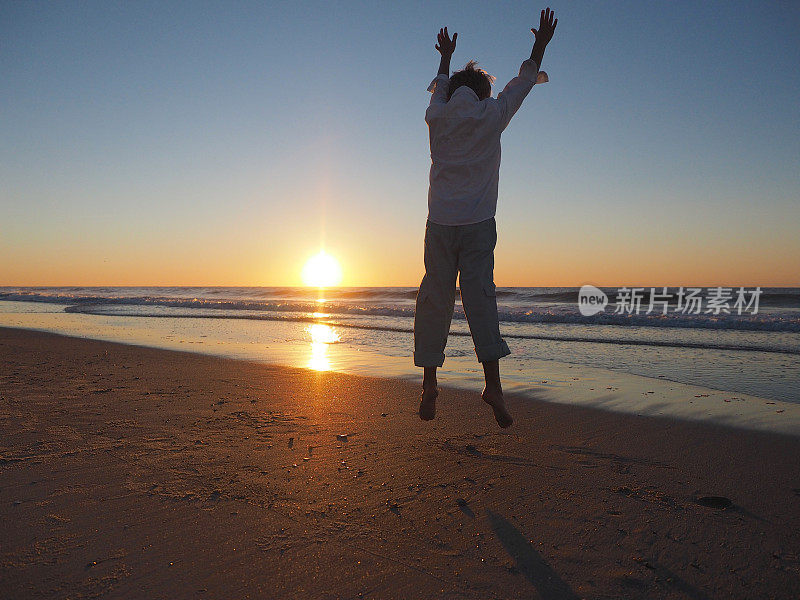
<point>465,124</point>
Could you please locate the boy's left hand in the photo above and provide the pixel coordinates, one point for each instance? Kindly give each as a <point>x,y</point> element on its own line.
<point>547,26</point>
<point>446,46</point>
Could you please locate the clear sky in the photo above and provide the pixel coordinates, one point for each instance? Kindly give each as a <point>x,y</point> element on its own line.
<point>223,143</point>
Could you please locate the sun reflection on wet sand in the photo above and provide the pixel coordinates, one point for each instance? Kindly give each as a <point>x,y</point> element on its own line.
<point>321,336</point>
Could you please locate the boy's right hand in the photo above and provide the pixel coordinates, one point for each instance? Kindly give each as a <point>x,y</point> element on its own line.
<point>547,25</point>
<point>446,46</point>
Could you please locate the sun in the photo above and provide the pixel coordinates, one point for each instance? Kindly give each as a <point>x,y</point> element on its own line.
<point>322,270</point>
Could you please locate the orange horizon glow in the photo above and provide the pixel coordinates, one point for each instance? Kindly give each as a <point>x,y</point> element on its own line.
<point>508,274</point>
<point>551,260</point>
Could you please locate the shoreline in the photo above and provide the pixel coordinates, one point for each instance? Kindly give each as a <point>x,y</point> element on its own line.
<point>133,471</point>
<point>539,379</point>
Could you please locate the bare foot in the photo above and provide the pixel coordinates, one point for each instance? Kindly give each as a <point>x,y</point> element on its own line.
<point>427,407</point>
<point>494,397</point>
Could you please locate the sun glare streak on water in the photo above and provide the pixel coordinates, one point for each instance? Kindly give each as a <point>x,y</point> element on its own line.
<point>321,336</point>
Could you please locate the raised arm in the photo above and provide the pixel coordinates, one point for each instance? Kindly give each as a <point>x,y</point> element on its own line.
<point>547,25</point>
<point>446,47</point>
<point>439,85</point>
<point>517,89</point>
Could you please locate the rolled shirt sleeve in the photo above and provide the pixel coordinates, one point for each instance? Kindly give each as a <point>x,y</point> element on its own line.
<point>517,89</point>
<point>530,70</point>
<point>438,89</point>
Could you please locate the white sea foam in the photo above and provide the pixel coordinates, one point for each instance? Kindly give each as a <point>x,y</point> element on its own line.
<point>780,307</point>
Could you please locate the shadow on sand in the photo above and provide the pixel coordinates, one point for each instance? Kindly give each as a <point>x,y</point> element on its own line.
<point>529,562</point>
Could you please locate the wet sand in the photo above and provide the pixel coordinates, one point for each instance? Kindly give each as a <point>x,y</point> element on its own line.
<point>134,472</point>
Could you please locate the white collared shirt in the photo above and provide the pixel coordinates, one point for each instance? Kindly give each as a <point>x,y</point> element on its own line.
<point>465,146</point>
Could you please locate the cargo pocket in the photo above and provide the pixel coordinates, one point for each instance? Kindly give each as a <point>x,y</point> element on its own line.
<point>489,289</point>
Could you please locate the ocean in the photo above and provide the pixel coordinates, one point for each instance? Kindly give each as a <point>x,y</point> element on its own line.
<point>370,331</point>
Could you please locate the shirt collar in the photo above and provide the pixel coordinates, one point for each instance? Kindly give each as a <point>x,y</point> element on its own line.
<point>465,91</point>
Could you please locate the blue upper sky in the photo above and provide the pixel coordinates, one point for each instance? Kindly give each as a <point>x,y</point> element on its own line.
<point>222,143</point>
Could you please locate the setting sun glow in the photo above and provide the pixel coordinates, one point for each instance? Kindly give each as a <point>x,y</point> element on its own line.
<point>322,270</point>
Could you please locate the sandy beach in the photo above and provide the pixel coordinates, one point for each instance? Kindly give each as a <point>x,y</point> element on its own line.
<point>135,472</point>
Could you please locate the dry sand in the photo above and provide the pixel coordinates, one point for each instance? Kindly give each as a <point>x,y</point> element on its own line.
<point>128,472</point>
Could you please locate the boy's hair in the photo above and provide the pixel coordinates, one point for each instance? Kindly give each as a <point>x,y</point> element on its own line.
<point>478,80</point>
